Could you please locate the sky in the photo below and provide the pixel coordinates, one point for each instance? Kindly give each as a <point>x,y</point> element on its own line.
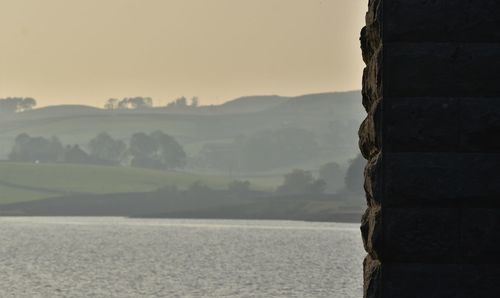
<point>86,51</point>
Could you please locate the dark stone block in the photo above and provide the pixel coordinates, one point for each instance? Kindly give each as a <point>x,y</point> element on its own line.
<point>440,280</point>
<point>479,280</point>
<point>480,124</point>
<point>428,234</point>
<point>442,20</point>
<point>441,70</point>
<point>480,179</point>
<point>421,280</point>
<point>432,137</point>
<point>441,124</point>
<point>421,124</point>
<point>480,236</point>
<point>420,179</point>
<point>441,179</point>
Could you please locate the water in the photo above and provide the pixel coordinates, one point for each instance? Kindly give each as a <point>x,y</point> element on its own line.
<point>115,257</point>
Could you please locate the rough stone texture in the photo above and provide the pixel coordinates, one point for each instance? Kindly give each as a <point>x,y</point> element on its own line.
<point>420,235</point>
<point>442,20</point>
<point>431,89</point>
<point>480,236</point>
<point>481,121</point>
<point>441,69</point>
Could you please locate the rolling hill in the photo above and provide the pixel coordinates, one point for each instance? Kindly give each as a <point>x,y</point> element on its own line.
<point>333,117</point>
<point>26,181</point>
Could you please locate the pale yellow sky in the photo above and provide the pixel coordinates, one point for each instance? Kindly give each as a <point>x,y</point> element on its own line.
<point>85,51</point>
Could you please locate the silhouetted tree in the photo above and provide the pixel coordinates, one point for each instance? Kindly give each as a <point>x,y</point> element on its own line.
<point>140,102</point>
<point>143,148</point>
<point>194,102</point>
<point>104,149</point>
<point>179,103</point>
<point>263,150</point>
<point>332,174</point>
<point>74,154</point>
<point>301,182</point>
<point>36,149</point>
<point>16,104</point>
<point>111,104</point>
<point>170,152</point>
<point>27,104</point>
<point>238,187</point>
<point>157,150</point>
<point>135,103</point>
<point>198,190</point>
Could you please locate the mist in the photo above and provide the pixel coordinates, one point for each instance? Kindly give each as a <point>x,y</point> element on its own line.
<point>181,148</point>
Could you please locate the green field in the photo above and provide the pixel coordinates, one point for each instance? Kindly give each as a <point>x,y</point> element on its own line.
<point>25,182</point>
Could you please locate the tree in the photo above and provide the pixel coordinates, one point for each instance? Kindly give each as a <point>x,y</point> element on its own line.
<point>140,102</point>
<point>143,148</point>
<point>73,154</point>
<point>354,179</point>
<point>156,150</point>
<point>180,103</point>
<point>111,104</point>
<point>36,149</point>
<point>332,174</point>
<point>16,104</point>
<point>27,104</point>
<point>239,187</point>
<point>135,103</point>
<point>170,152</point>
<point>104,149</point>
<point>198,190</point>
<point>194,102</point>
<point>270,149</point>
<point>301,182</point>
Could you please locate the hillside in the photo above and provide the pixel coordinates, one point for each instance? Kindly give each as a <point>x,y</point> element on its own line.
<point>61,110</point>
<point>25,182</point>
<point>250,104</point>
<point>77,190</point>
<point>333,117</point>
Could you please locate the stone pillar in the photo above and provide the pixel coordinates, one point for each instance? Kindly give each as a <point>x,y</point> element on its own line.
<point>432,139</point>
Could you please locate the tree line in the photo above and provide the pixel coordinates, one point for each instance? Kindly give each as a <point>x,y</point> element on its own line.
<point>139,102</point>
<point>16,104</point>
<point>298,182</point>
<point>261,151</point>
<point>330,179</point>
<point>156,150</point>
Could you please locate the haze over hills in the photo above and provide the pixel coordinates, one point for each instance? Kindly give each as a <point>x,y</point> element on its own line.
<point>258,139</point>
<point>333,119</point>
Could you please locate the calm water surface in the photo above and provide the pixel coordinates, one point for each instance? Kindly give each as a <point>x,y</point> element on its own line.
<point>115,257</point>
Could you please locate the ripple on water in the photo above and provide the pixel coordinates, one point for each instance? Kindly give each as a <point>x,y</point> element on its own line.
<point>117,257</point>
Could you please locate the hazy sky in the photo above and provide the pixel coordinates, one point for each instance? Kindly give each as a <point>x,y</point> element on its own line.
<point>85,51</point>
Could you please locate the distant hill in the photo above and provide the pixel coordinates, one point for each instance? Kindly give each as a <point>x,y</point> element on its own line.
<point>340,103</point>
<point>333,117</point>
<point>62,110</point>
<point>249,104</point>
<point>246,104</point>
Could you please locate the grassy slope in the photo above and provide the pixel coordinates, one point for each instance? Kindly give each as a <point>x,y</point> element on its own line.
<point>33,183</point>
<point>15,195</point>
<point>79,124</point>
<point>23,182</point>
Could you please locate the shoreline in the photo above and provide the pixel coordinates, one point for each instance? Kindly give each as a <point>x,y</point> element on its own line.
<point>341,218</point>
